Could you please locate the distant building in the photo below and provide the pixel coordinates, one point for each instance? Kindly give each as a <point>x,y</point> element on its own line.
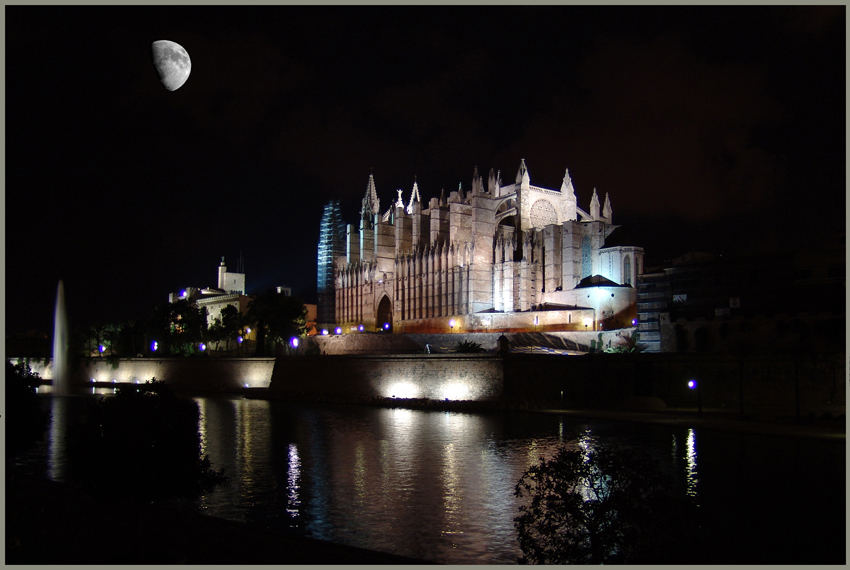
<point>230,290</point>
<point>505,257</point>
<point>702,302</point>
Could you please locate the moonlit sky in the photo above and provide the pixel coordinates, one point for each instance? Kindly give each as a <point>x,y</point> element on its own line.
<point>713,128</point>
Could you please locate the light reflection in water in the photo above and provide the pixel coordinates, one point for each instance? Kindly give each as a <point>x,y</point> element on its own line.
<point>293,482</point>
<point>57,448</point>
<point>691,473</point>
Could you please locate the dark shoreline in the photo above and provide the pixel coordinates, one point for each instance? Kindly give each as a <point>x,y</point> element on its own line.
<point>55,523</point>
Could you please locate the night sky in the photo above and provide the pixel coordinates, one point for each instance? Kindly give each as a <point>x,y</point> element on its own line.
<point>713,128</point>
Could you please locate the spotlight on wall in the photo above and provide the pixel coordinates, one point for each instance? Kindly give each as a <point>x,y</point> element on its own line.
<point>452,324</point>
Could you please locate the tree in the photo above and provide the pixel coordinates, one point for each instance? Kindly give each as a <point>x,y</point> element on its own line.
<point>601,506</point>
<point>178,327</point>
<point>276,318</point>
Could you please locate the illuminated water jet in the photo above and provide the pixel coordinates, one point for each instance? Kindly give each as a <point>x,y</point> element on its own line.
<point>61,379</point>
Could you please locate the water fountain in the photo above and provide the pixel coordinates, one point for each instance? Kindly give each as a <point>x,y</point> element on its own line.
<point>61,380</point>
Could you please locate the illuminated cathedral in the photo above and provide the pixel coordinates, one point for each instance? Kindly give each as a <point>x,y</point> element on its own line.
<point>499,257</point>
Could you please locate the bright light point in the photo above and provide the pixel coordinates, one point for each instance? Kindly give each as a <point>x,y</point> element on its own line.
<point>247,385</point>
<point>203,347</point>
<point>455,391</point>
<point>294,342</point>
<point>248,330</point>
<point>101,348</point>
<point>92,379</point>
<point>692,384</point>
<point>402,390</point>
<point>239,339</point>
<point>324,332</point>
<point>386,326</point>
<point>338,330</point>
<point>183,293</point>
<point>360,328</point>
<point>114,380</point>
<point>154,346</point>
<point>634,322</point>
<point>452,323</point>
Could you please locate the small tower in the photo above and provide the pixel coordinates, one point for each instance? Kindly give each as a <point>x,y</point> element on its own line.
<point>569,193</point>
<point>606,209</point>
<point>370,205</point>
<point>523,179</point>
<point>414,197</point>
<point>594,206</point>
<point>222,270</point>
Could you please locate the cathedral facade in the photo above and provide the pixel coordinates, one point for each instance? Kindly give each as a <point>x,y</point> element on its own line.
<point>500,257</point>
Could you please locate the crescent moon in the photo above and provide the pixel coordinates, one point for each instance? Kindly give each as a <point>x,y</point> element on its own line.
<point>172,63</point>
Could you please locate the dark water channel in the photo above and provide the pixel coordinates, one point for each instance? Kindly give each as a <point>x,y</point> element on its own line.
<point>439,485</point>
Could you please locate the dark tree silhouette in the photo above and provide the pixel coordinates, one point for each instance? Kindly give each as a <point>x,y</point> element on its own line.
<point>601,506</point>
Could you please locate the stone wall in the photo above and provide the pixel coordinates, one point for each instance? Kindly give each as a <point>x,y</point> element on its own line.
<point>195,374</point>
<point>382,343</point>
<point>358,378</point>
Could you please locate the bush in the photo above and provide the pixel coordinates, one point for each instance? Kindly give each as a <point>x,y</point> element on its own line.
<point>143,442</point>
<point>600,507</point>
<point>467,346</point>
<point>25,420</point>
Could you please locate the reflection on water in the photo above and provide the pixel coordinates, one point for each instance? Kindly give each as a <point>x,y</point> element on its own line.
<point>293,482</point>
<point>691,473</point>
<point>440,485</point>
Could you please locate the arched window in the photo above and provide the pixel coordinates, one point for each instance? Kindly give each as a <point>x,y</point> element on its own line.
<point>585,257</point>
<point>627,270</point>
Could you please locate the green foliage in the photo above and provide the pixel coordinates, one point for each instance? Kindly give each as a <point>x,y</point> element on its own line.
<point>178,327</point>
<point>277,318</point>
<point>467,346</point>
<point>25,420</point>
<point>600,506</point>
<point>630,345</point>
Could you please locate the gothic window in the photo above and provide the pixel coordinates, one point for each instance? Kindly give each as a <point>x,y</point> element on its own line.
<point>627,270</point>
<point>585,257</point>
<point>543,214</point>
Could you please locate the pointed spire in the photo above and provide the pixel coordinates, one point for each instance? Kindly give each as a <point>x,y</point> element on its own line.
<point>567,184</point>
<point>522,176</point>
<point>400,202</point>
<point>606,209</point>
<point>477,183</point>
<point>371,204</point>
<point>491,183</point>
<point>442,196</point>
<point>460,191</point>
<point>414,196</point>
<point>594,205</point>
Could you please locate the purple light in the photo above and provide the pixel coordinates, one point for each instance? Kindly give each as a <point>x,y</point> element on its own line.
<point>154,346</point>
<point>386,326</point>
<point>101,348</point>
<point>692,384</point>
<point>294,342</point>
<point>203,347</point>
<point>324,332</point>
<point>239,339</point>
<point>338,330</point>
